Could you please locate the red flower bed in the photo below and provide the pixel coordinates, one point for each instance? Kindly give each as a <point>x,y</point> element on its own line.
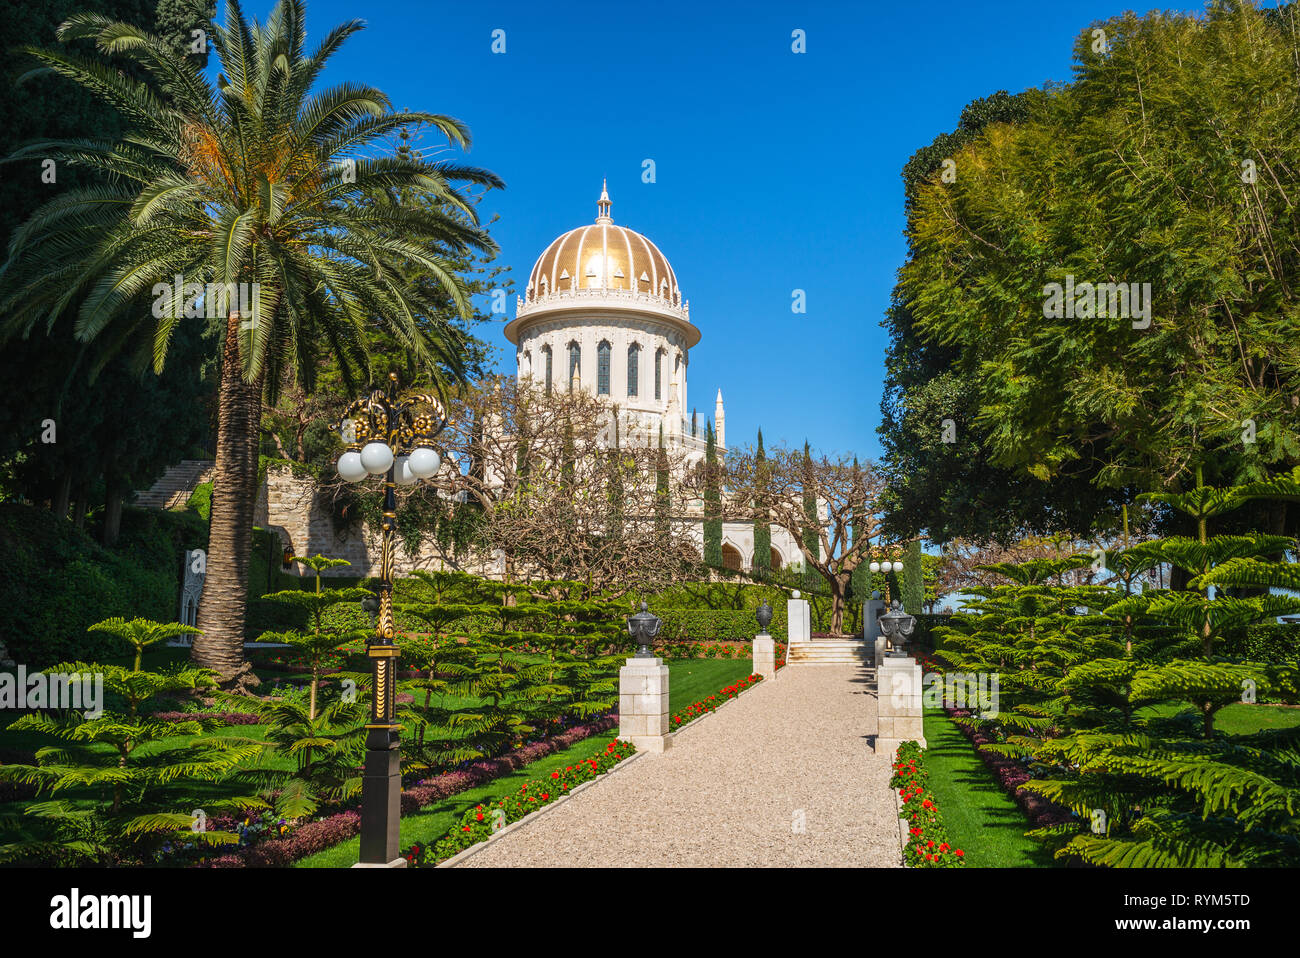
<point>477,824</point>
<point>317,836</point>
<point>710,704</point>
<point>927,839</point>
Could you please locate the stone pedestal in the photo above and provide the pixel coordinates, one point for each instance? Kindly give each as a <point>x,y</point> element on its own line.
<point>871,618</point>
<point>898,699</point>
<point>880,644</point>
<point>765,656</point>
<point>643,704</point>
<point>798,619</point>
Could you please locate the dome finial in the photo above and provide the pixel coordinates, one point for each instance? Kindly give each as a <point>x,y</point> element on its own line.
<point>603,205</point>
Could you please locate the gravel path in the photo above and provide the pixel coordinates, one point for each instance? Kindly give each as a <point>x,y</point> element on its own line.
<point>730,790</point>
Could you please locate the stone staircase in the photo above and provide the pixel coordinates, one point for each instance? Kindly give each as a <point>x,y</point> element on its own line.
<point>174,488</point>
<point>829,652</point>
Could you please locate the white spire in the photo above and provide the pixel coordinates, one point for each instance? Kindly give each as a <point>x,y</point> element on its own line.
<point>720,418</point>
<point>603,205</point>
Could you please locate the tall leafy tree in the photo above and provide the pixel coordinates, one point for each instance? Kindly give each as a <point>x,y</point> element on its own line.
<point>1200,367</point>
<point>258,184</point>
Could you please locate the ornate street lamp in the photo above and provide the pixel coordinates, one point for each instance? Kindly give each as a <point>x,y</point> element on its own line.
<point>643,627</point>
<point>764,616</point>
<point>390,436</point>
<point>886,567</point>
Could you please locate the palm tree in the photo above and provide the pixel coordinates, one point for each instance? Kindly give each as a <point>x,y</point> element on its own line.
<point>257,182</point>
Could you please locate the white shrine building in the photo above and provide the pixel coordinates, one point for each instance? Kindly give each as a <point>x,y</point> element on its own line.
<point>602,312</point>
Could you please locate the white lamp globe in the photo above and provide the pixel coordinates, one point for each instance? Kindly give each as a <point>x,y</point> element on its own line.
<point>402,473</point>
<point>376,457</point>
<point>898,567</point>
<point>350,467</point>
<point>874,567</point>
<point>424,462</point>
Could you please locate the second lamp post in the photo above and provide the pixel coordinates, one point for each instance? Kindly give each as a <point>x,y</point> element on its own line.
<point>390,436</point>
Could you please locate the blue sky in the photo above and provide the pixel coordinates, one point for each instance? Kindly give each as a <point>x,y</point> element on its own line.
<point>775,171</point>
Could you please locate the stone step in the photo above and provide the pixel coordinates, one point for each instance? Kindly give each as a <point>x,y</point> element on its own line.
<point>174,488</point>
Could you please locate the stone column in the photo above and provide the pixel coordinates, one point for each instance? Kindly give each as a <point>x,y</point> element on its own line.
<point>798,619</point>
<point>643,703</point>
<point>764,656</point>
<point>898,704</point>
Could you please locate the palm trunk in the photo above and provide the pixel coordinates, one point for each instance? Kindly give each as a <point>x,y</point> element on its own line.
<point>113,497</point>
<point>230,533</point>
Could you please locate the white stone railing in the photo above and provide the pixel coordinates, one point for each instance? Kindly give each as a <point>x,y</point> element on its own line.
<point>601,297</point>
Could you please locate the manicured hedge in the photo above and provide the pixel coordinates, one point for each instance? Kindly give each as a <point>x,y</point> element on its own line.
<point>717,625</point>
<point>1266,643</point>
<point>56,580</point>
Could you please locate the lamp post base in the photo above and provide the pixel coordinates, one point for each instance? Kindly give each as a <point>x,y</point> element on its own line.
<point>381,799</point>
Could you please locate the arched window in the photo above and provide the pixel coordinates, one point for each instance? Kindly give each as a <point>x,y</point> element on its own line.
<point>602,368</point>
<point>659,374</point>
<point>575,365</point>
<point>731,558</point>
<point>633,370</point>
<point>546,352</point>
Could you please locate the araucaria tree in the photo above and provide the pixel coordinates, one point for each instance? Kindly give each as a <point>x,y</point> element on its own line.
<point>845,499</point>
<point>268,202</point>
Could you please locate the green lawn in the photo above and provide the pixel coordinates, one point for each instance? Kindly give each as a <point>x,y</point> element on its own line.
<point>981,818</point>
<point>690,680</point>
<point>1239,719</point>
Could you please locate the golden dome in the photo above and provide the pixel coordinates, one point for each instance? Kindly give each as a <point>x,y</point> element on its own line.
<point>603,256</point>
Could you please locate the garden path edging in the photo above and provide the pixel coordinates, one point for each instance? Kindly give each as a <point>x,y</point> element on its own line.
<point>535,816</point>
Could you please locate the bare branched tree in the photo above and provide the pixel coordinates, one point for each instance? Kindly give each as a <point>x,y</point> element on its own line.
<point>564,495</point>
<point>779,488</point>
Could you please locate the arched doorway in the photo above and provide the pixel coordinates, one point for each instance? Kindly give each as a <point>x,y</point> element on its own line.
<point>731,558</point>
<point>776,560</point>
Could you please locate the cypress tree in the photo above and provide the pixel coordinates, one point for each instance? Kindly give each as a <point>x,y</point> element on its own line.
<point>913,584</point>
<point>712,502</point>
<point>176,21</point>
<point>661,489</point>
<point>861,582</point>
<point>615,485</point>
<point>762,528</point>
<point>812,579</point>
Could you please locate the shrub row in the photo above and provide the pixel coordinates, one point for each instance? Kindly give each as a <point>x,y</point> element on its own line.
<point>717,625</point>
<point>927,839</point>
<point>1269,642</point>
<point>56,580</point>
<point>317,836</point>
<point>1011,774</point>
<point>479,823</point>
